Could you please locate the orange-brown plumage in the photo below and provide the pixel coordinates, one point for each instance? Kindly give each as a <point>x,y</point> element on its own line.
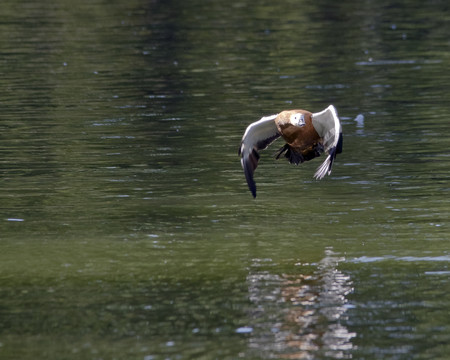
<point>303,140</point>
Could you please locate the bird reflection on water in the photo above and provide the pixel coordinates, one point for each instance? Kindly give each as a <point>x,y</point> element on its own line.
<point>300,316</point>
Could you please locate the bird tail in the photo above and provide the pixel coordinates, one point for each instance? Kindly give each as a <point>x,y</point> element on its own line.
<point>294,157</point>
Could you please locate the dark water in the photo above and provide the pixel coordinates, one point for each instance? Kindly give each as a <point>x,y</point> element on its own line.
<point>126,228</point>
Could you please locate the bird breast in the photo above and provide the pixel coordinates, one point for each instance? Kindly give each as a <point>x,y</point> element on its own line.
<point>298,137</point>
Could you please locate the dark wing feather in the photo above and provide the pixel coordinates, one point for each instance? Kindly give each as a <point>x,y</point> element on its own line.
<point>249,168</point>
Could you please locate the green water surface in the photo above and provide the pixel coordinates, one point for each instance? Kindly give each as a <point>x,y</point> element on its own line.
<point>127,230</point>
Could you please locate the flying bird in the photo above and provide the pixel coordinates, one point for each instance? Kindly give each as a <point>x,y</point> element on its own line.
<point>307,135</point>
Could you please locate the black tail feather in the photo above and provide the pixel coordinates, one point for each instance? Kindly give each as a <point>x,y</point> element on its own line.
<point>293,156</point>
<point>296,157</point>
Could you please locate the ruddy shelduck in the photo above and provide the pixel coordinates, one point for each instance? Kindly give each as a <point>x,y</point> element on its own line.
<point>307,135</point>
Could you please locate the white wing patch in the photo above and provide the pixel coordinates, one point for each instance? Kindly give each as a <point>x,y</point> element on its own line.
<point>329,128</point>
<point>257,136</point>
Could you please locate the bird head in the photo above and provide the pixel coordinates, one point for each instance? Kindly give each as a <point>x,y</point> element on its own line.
<point>297,119</point>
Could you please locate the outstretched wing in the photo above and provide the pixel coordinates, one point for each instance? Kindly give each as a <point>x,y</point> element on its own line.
<point>329,128</point>
<point>257,136</point>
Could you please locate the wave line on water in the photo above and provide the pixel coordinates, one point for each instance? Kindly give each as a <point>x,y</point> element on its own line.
<point>369,259</point>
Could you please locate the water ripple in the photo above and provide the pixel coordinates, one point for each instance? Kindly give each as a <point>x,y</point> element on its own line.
<point>370,259</point>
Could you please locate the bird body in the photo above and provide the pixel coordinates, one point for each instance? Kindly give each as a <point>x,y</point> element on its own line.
<point>307,135</point>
